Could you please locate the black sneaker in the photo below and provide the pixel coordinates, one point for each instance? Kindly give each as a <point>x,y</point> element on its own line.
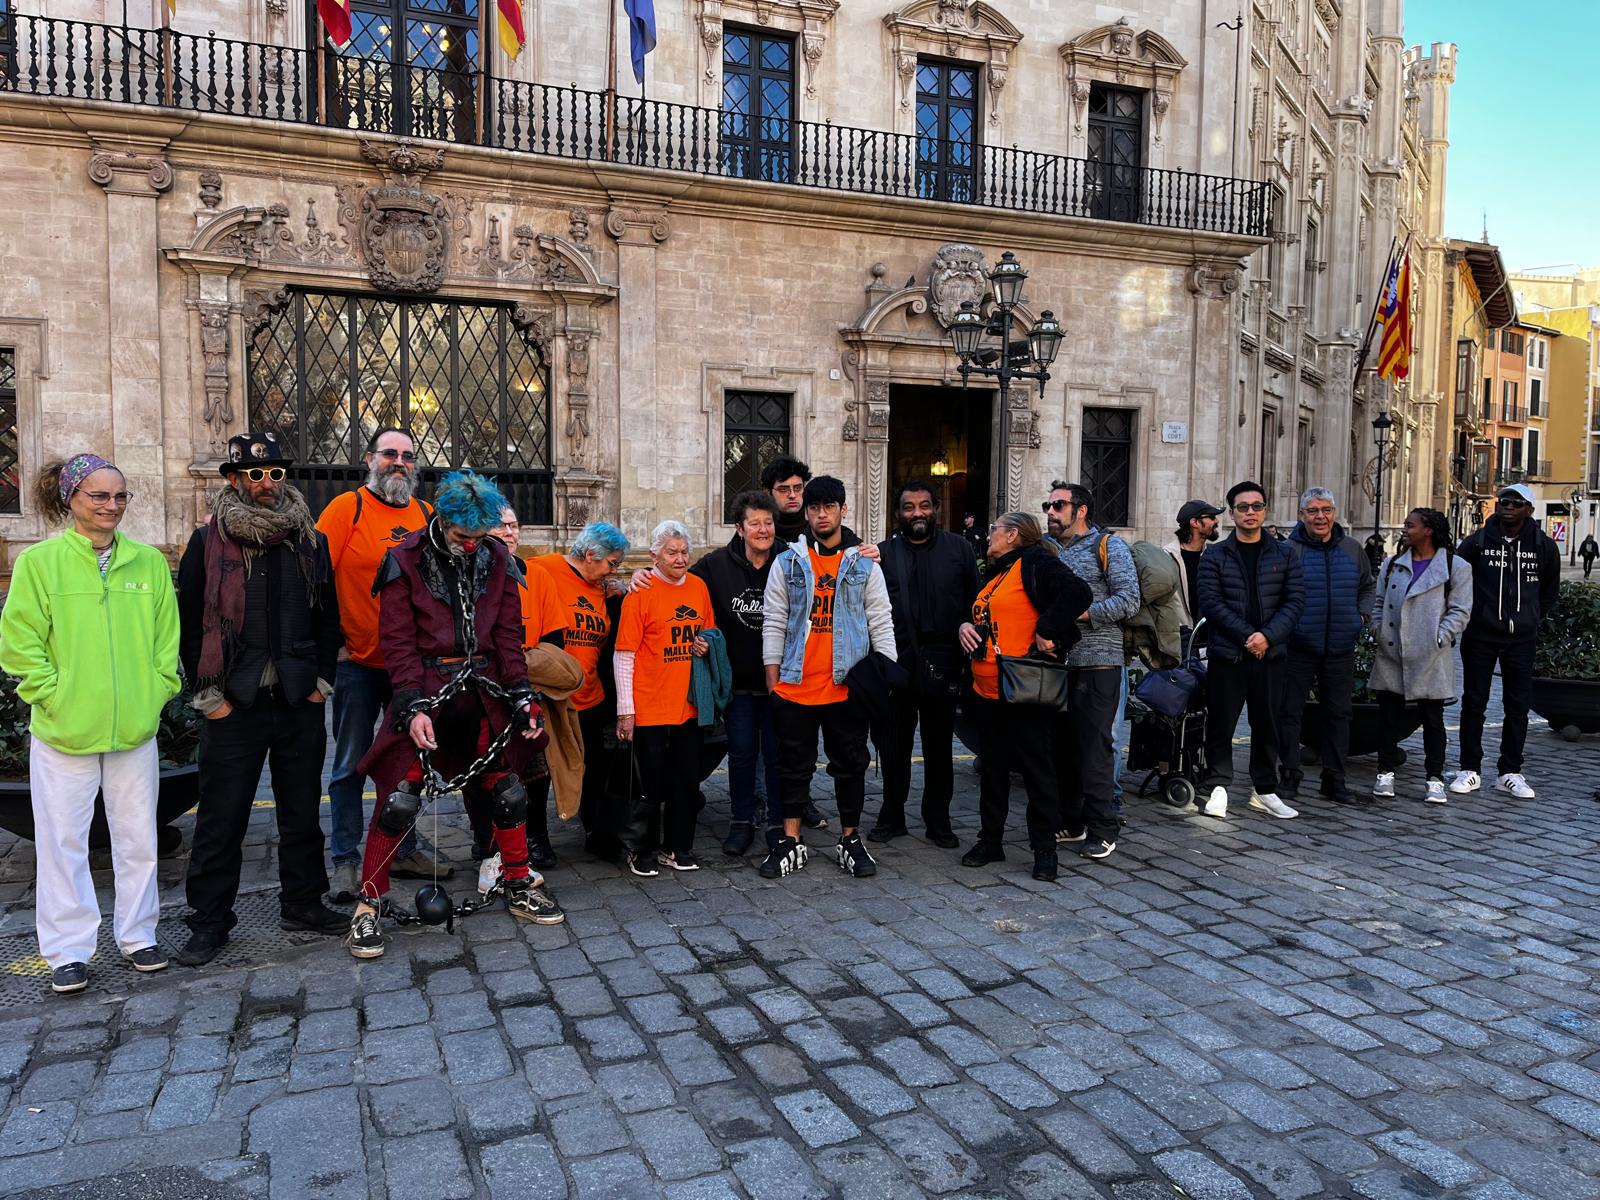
<point>787,857</point>
<point>149,958</point>
<point>72,977</point>
<point>312,918</point>
<point>982,854</point>
<point>540,855</point>
<point>1065,837</point>
<point>365,939</point>
<point>943,839</point>
<point>1045,866</point>
<point>643,864</point>
<point>740,835</point>
<point>201,948</point>
<point>884,833</point>
<point>680,861</point>
<point>527,902</point>
<point>853,857</point>
<point>811,817</point>
<point>1098,848</point>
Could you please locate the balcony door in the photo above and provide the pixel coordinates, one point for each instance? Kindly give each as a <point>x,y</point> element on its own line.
<point>1116,152</point>
<point>757,106</point>
<point>947,131</point>
<point>410,68</point>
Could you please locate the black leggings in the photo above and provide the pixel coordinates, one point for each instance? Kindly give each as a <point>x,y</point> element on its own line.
<point>1395,723</point>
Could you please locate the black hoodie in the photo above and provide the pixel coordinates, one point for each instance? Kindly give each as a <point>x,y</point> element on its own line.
<point>736,590</point>
<point>1515,581</point>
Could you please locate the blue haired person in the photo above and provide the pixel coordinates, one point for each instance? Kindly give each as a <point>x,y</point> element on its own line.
<point>450,627</point>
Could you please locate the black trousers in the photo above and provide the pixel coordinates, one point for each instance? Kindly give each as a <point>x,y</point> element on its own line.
<point>1479,653</point>
<point>1085,753</point>
<point>937,716</point>
<point>669,770</point>
<point>844,737</point>
<point>290,740</point>
<point>1230,686</point>
<point>1334,679</point>
<point>1016,737</point>
<point>592,724</point>
<point>1395,723</point>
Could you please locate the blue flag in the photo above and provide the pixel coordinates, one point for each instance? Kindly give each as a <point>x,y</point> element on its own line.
<point>641,32</point>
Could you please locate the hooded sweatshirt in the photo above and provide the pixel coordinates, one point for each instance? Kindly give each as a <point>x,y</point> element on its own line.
<point>736,590</point>
<point>1515,581</point>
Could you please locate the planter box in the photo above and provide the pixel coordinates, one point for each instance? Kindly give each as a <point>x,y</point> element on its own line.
<point>180,791</point>
<point>1572,706</point>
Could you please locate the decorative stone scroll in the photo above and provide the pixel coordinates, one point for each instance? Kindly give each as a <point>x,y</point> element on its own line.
<point>130,174</point>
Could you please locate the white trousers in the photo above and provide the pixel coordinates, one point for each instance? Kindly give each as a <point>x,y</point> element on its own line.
<point>64,787</point>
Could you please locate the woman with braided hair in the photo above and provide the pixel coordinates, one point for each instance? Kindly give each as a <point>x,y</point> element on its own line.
<point>450,627</point>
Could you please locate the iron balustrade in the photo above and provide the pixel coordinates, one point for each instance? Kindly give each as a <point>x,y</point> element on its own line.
<point>48,56</point>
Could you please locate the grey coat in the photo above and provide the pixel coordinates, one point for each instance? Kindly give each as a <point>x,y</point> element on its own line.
<point>1416,630</point>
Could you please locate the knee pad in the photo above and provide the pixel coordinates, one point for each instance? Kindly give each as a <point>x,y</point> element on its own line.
<point>400,810</point>
<point>508,802</point>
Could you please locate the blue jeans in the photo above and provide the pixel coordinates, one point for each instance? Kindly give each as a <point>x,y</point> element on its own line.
<point>360,695</point>
<point>1119,744</point>
<point>751,733</point>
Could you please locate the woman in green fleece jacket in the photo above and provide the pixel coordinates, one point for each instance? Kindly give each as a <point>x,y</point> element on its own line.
<point>90,628</point>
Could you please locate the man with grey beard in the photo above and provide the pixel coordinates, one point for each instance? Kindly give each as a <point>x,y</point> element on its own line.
<point>361,526</point>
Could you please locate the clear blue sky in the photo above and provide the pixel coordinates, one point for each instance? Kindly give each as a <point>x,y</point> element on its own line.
<point>1520,125</point>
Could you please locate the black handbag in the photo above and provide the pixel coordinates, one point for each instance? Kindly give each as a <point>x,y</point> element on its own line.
<point>1037,681</point>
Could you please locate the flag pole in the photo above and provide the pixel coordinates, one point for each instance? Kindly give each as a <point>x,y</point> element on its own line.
<point>1395,250</point>
<point>321,65</point>
<point>488,43</point>
<point>608,152</point>
<point>166,54</point>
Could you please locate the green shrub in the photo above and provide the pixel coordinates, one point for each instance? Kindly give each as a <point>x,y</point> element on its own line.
<point>177,738</point>
<point>1569,640</point>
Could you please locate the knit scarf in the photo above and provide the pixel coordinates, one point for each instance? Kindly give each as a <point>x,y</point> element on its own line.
<point>239,533</point>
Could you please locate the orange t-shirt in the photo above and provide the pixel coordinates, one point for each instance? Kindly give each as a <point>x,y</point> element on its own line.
<point>541,610</point>
<point>583,608</point>
<point>816,684</point>
<point>659,624</point>
<point>357,541</point>
<point>1003,606</point>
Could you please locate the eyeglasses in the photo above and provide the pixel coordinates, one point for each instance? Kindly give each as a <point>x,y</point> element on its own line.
<point>1315,512</point>
<point>1250,506</point>
<point>257,474</point>
<point>790,490</point>
<point>120,499</point>
<point>391,455</point>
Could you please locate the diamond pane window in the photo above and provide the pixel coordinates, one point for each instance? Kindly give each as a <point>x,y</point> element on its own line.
<point>10,458</point>
<point>947,120</point>
<point>409,68</point>
<point>1116,152</point>
<point>755,432</point>
<point>757,127</point>
<point>326,371</point>
<point>1106,464</point>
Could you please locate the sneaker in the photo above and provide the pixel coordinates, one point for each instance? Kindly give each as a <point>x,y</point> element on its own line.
<point>72,977</point>
<point>944,839</point>
<point>530,902</point>
<point>420,865</point>
<point>1383,785</point>
<point>787,857</point>
<point>812,817</point>
<point>365,939</point>
<point>740,835</point>
<point>201,948</point>
<point>884,833</point>
<point>982,854</point>
<point>854,859</point>
<point>1216,804</point>
<point>1513,784</point>
<point>681,861</point>
<point>540,856</point>
<point>150,958</point>
<point>1465,782</point>
<point>345,885</point>
<point>311,918</point>
<point>1436,793</point>
<point>643,864</point>
<point>1045,866</point>
<point>1099,848</point>
<point>1269,803</point>
<point>1067,838</point>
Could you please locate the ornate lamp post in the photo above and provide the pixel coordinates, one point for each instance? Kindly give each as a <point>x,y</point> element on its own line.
<point>1382,426</point>
<point>1009,360</point>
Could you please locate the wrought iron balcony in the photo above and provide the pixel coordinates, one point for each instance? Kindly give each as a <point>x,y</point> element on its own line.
<point>1540,469</point>
<point>117,64</point>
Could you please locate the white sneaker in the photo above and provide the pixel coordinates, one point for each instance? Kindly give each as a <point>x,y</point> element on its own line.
<point>1465,782</point>
<point>1216,804</point>
<point>1515,785</point>
<point>1383,785</point>
<point>1436,793</point>
<point>1270,803</point>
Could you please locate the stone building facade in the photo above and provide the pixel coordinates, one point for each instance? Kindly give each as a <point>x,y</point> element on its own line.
<point>620,305</point>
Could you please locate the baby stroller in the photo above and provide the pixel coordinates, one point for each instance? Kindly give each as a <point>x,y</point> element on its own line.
<point>1167,730</point>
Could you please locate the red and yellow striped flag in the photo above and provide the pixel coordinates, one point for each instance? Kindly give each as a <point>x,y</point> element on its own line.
<point>335,16</point>
<point>512,37</point>
<point>1394,354</point>
<point>172,8</point>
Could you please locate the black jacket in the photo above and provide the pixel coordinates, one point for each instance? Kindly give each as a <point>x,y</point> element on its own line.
<point>1515,582</point>
<point>1222,585</point>
<point>1057,595</point>
<point>941,577</point>
<point>1589,548</point>
<point>281,623</point>
<point>736,590</point>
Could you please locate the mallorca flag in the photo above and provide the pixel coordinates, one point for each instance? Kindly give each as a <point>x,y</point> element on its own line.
<point>335,16</point>
<point>172,8</point>
<point>511,35</point>
<point>1394,353</point>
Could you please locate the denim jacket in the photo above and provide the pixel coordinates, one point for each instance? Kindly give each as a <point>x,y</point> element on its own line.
<point>863,620</point>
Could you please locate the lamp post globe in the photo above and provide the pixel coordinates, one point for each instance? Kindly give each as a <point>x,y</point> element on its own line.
<point>1044,339</point>
<point>966,331</point>
<point>1007,278</point>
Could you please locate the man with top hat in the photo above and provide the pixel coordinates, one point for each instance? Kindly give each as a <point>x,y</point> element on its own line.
<point>259,642</point>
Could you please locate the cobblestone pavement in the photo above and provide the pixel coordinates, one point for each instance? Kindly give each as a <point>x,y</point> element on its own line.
<point>1389,1003</point>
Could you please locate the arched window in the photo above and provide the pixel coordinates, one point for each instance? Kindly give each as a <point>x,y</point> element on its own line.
<point>327,370</point>
<point>410,68</point>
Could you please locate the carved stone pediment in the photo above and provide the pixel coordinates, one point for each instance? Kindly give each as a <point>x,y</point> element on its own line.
<point>959,274</point>
<point>967,29</point>
<point>1121,54</point>
<point>810,19</point>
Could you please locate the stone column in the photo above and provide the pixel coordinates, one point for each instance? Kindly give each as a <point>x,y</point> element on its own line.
<point>132,182</point>
<point>638,231</point>
<point>1213,283</point>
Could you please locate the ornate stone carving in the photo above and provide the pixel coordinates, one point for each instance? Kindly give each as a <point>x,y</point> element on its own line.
<point>577,430</point>
<point>259,306</point>
<point>210,189</point>
<point>1216,278</point>
<point>278,8</point>
<point>958,274</point>
<point>967,29</point>
<point>215,337</point>
<point>811,49</point>
<point>996,79</point>
<point>1118,53</point>
<point>852,427</point>
<point>578,227</point>
<point>1120,37</point>
<point>637,226</point>
<point>538,325</point>
<point>906,68</point>
<point>120,171</point>
<point>404,230</point>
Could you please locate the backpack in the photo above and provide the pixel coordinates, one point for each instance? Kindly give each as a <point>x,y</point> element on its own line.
<point>1152,634</point>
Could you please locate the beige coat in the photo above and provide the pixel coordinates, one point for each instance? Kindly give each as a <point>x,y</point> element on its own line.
<point>555,675</point>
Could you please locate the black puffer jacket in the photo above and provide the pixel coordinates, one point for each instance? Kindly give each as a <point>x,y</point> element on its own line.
<point>736,590</point>
<point>1222,584</point>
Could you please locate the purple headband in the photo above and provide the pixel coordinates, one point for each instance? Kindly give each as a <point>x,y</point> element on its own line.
<point>78,468</point>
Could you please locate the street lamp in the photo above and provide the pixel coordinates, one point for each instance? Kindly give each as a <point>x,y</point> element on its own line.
<point>1009,360</point>
<point>1572,527</point>
<point>1382,426</point>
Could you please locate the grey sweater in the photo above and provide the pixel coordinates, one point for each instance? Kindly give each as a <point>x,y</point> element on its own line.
<point>1116,597</point>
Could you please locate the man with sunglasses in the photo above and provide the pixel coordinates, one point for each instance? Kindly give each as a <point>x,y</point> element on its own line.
<point>1516,577</point>
<point>361,527</point>
<point>1251,593</point>
<point>259,641</point>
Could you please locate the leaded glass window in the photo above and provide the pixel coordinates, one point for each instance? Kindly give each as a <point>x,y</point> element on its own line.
<point>947,131</point>
<point>409,68</point>
<point>755,432</point>
<point>1106,463</point>
<point>328,370</point>
<point>10,458</point>
<point>1116,152</point>
<point>757,105</point>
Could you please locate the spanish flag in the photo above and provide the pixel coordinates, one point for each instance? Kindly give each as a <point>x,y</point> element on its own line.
<point>510,20</point>
<point>1394,353</point>
<point>335,16</point>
